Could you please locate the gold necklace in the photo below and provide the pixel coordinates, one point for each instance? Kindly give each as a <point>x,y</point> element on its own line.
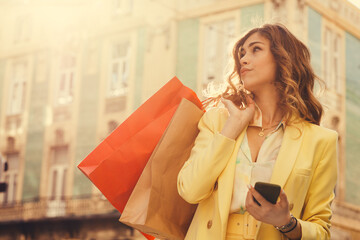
<point>261,133</point>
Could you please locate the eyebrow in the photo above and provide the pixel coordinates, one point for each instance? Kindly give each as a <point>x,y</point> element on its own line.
<point>250,44</point>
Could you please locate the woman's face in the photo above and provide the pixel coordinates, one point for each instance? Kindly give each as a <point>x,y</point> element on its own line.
<point>258,67</point>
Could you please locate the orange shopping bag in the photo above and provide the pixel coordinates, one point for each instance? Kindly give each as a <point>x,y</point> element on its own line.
<point>116,164</point>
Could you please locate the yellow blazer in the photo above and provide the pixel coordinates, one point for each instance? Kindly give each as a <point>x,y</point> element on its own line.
<point>306,168</point>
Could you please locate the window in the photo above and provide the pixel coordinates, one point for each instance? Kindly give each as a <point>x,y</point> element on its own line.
<point>17,88</point>
<point>22,29</point>
<point>332,51</point>
<point>189,4</point>
<point>10,144</point>
<point>66,80</point>
<point>122,7</point>
<point>217,39</point>
<point>59,137</point>
<point>112,125</point>
<point>58,173</point>
<point>11,178</point>
<point>119,72</point>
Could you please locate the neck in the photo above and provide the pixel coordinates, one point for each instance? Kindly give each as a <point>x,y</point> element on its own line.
<point>267,101</point>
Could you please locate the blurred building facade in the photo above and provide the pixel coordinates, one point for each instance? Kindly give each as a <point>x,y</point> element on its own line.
<point>71,71</point>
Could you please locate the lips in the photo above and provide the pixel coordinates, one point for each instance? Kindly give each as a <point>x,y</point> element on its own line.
<point>244,70</point>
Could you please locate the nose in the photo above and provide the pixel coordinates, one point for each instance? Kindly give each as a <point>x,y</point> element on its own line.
<point>243,60</point>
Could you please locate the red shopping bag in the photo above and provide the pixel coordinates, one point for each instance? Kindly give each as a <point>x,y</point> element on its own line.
<point>116,164</point>
<point>155,206</point>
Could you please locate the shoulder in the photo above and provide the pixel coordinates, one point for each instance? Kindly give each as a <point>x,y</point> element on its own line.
<point>216,114</point>
<point>314,136</point>
<point>215,117</point>
<point>319,137</point>
<point>320,131</point>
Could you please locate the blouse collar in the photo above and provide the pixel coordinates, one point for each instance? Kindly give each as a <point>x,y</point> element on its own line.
<point>257,119</point>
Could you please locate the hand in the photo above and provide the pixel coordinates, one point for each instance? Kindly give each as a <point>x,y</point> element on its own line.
<point>275,214</point>
<point>238,119</point>
<point>238,112</point>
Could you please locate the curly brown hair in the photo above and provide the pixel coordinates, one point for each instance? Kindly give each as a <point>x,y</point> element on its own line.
<point>295,77</point>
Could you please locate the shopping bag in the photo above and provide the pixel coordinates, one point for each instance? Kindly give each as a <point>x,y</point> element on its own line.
<point>155,207</point>
<point>116,164</point>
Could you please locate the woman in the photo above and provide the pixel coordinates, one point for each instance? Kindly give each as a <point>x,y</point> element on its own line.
<point>271,135</point>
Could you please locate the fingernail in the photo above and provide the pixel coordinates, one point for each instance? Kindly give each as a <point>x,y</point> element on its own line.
<point>249,186</point>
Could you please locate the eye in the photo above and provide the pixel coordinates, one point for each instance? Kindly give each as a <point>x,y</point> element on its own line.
<point>242,54</point>
<point>255,49</point>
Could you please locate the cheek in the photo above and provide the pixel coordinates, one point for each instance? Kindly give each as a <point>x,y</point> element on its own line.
<point>269,70</point>
<point>272,71</point>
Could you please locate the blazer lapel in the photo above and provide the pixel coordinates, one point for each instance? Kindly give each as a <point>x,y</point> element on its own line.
<point>226,182</point>
<point>287,156</point>
<point>289,150</point>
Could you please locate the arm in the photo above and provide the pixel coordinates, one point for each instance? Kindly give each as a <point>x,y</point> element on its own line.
<point>315,222</point>
<point>212,150</point>
<point>275,214</point>
<point>317,212</point>
<point>208,158</point>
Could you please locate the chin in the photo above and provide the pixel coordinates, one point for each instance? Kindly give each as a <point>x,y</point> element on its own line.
<point>256,86</point>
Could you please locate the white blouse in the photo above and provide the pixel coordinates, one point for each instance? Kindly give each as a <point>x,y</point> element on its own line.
<point>248,172</point>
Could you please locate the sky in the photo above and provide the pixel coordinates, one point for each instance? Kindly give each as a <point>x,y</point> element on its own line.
<point>355,2</point>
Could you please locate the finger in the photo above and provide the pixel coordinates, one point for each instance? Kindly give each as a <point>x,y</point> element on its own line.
<point>229,105</point>
<point>251,103</point>
<point>283,198</point>
<point>226,102</point>
<point>249,99</point>
<point>251,206</point>
<point>258,196</point>
<point>250,199</point>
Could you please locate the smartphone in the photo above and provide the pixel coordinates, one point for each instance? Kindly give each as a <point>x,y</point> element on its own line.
<point>268,190</point>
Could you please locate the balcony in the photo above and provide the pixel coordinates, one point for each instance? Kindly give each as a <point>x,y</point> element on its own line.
<point>67,208</point>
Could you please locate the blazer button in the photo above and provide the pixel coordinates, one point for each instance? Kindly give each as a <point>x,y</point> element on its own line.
<point>215,186</point>
<point>209,224</point>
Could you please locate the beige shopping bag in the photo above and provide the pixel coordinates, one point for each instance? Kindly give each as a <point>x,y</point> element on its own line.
<point>155,207</point>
